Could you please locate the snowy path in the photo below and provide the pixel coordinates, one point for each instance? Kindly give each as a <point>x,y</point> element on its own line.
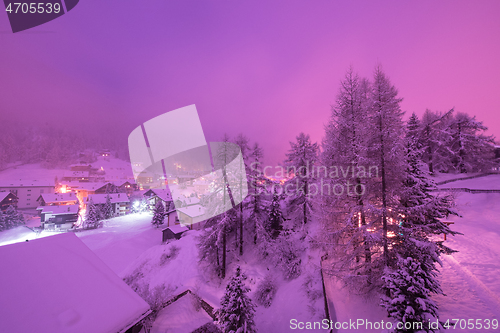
<point>470,278</point>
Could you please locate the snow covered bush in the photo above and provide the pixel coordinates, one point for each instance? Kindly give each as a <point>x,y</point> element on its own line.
<point>266,290</point>
<point>409,288</point>
<point>172,253</point>
<point>286,256</point>
<point>237,309</point>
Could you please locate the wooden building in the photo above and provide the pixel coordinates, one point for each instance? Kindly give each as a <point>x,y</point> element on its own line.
<point>173,232</point>
<point>7,199</point>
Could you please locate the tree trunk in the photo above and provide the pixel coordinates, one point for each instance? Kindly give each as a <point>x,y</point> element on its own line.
<point>384,190</point>
<point>223,270</point>
<point>241,228</point>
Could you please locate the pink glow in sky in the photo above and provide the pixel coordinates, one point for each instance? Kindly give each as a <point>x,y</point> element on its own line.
<point>269,69</point>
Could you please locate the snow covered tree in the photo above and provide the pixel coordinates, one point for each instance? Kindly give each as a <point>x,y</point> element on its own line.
<point>409,288</point>
<point>2,221</point>
<point>93,216</point>
<point>107,210</point>
<point>471,150</point>
<point>243,143</point>
<point>214,242</point>
<point>435,137</point>
<point>255,207</point>
<point>421,207</point>
<point>159,214</point>
<point>286,254</point>
<point>415,249</point>
<point>385,135</point>
<point>13,218</point>
<point>236,314</point>
<point>275,220</point>
<point>301,159</point>
<point>345,147</point>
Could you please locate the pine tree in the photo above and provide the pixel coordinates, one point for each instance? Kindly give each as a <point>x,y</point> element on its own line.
<point>435,136</point>
<point>12,218</point>
<point>3,226</point>
<point>421,207</point>
<point>255,201</point>
<point>409,287</point>
<point>220,205</point>
<point>107,208</point>
<point>471,150</point>
<point>242,142</point>
<point>275,220</point>
<point>345,147</point>
<point>159,214</point>
<point>301,159</point>
<point>236,314</point>
<point>412,281</point>
<point>386,151</point>
<point>93,216</point>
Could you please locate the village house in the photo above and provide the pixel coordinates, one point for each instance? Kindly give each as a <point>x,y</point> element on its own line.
<point>119,201</point>
<point>127,187</point>
<point>57,284</point>
<point>155,195</point>
<point>83,190</point>
<point>57,199</point>
<point>26,191</point>
<point>7,199</point>
<point>58,218</point>
<point>191,216</point>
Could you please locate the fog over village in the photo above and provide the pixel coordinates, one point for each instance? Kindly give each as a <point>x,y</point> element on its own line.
<point>265,167</point>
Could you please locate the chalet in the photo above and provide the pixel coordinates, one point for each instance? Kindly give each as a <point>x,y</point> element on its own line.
<point>57,199</point>
<point>155,195</point>
<point>57,284</point>
<point>173,232</point>
<point>191,215</point>
<point>59,218</point>
<point>83,190</point>
<point>76,176</point>
<point>127,187</point>
<point>119,201</point>
<point>185,202</point>
<point>7,199</point>
<point>26,191</point>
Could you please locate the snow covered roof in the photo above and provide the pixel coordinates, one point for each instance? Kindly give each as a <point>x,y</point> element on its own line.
<point>180,316</point>
<point>86,186</point>
<point>177,229</point>
<point>191,201</point>
<point>114,197</point>
<point>25,183</point>
<point>192,211</point>
<point>58,197</point>
<point>78,174</point>
<point>163,194</point>
<point>57,284</point>
<point>4,195</point>
<point>59,210</point>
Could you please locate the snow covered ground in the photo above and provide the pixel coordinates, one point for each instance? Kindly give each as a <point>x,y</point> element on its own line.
<point>470,278</point>
<point>491,182</point>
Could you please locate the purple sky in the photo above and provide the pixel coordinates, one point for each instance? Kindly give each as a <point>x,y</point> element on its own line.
<point>267,70</point>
